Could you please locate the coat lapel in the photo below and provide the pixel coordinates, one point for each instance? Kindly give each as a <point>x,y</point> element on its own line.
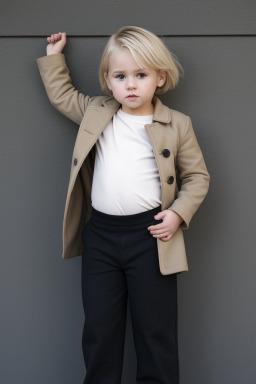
<point>95,120</point>
<point>162,114</point>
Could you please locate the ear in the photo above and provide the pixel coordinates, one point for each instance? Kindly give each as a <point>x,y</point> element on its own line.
<point>107,81</point>
<point>161,78</point>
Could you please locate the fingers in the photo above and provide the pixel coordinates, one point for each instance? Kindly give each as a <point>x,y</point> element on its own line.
<point>160,231</point>
<point>167,238</point>
<point>165,230</point>
<point>160,215</point>
<point>158,228</point>
<point>163,235</point>
<point>56,37</point>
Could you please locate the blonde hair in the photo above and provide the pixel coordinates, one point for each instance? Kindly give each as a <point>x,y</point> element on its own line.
<point>147,45</point>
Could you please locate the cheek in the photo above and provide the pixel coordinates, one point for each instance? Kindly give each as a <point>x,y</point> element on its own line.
<point>107,82</point>
<point>116,88</point>
<point>151,87</point>
<point>109,85</point>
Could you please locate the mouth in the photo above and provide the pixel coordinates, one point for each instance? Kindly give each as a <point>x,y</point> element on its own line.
<point>130,97</point>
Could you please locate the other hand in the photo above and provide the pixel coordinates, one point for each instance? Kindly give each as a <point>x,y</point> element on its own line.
<point>57,42</point>
<point>166,229</point>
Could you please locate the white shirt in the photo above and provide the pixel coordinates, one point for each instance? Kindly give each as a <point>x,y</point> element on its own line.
<point>126,179</point>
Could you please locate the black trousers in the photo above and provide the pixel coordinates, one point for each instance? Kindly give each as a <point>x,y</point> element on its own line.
<point>120,260</point>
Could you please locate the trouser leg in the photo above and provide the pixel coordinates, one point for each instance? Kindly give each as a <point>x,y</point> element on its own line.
<point>104,295</point>
<point>153,306</point>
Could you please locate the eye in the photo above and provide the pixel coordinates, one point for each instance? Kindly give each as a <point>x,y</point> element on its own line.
<point>120,77</point>
<point>141,75</point>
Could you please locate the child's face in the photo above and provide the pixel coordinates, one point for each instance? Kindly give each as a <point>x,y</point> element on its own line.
<point>131,85</point>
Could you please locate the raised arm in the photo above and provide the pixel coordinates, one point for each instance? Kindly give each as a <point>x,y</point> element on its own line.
<point>58,84</point>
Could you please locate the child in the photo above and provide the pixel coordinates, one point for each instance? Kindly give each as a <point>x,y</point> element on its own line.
<point>123,212</point>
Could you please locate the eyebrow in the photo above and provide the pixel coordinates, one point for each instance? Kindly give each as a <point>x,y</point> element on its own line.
<point>136,70</point>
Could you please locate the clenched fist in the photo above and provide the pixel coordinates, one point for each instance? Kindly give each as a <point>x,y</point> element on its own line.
<point>57,42</point>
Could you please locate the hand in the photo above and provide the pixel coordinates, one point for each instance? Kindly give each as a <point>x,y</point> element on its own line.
<point>166,229</point>
<point>56,42</point>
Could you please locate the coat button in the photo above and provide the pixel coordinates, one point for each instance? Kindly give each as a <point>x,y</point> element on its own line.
<point>75,161</point>
<point>170,180</point>
<point>166,152</point>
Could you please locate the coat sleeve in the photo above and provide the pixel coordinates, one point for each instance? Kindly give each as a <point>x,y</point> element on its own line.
<point>193,174</point>
<point>60,90</point>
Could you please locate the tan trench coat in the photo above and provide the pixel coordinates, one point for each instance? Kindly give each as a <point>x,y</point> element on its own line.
<point>170,130</point>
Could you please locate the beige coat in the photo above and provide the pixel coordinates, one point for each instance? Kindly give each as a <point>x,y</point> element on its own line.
<point>170,130</point>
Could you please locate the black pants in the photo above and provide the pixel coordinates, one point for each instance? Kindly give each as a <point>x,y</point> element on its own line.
<point>120,259</point>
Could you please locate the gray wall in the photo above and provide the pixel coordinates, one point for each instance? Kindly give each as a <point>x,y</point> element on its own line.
<point>41,307</point>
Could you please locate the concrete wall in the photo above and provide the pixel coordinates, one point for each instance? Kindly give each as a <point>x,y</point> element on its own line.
<point>41,307</point>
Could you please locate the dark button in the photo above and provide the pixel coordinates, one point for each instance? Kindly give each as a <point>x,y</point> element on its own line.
<point>170,180</point>
<point>75,161</point>
<point>166,152</point>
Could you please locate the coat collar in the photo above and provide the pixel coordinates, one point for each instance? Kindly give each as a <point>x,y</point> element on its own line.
<point>162,113</point>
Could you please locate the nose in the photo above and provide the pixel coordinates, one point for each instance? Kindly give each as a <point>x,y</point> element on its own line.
<point>131,84</point>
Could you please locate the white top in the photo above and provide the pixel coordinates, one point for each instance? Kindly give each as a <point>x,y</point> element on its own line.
<point>126,179</point>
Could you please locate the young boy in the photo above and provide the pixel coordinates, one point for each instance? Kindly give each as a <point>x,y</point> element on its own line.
<point>123,182</point>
